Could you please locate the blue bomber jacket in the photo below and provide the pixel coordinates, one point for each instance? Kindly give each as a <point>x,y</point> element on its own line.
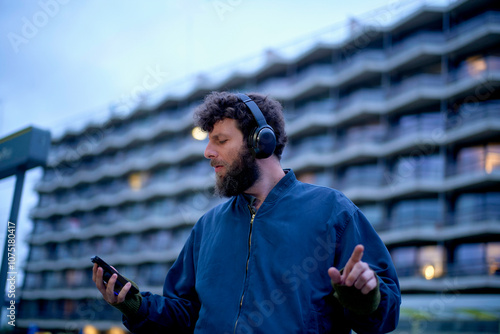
<point>243,272</point>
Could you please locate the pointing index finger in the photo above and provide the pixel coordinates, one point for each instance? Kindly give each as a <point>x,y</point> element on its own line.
<point>356,256</point>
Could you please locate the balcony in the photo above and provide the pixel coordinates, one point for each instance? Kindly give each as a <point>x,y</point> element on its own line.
<point>121,138</point>
<point>476,215</point>
<point>461,283</point>
<point>315,114</point>
<point>83,262</point>
<point>164,189</point>
<point>181,214</point>
<point>422,44</point>
<point>144,158</point>
<point>422,134</point>
<point>475,266</point>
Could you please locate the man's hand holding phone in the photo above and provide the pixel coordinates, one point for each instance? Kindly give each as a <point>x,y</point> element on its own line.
<point>114,287</point>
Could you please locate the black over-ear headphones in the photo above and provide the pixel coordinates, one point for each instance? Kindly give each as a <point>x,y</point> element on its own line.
<point>262,140</point>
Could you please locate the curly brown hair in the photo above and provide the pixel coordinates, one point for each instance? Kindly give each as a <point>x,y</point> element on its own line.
<point>220,105</point>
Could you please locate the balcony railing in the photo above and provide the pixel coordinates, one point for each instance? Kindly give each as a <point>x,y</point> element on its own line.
<point>418,39</point>
<point>490,17</point>
<point>471,113</point>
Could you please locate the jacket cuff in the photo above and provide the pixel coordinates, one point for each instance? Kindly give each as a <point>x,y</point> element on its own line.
<point>354,300</point>
<point>129,307</point>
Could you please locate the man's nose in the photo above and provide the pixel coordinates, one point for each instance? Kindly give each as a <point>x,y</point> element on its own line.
<point>210,152</point>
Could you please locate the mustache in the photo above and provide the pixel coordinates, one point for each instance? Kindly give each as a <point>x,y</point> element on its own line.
<point>214,163</point>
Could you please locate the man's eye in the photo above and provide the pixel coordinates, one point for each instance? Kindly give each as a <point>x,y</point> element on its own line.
<point>222,141</point>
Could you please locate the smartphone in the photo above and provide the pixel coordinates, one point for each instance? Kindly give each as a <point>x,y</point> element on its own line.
<point>120,281</point>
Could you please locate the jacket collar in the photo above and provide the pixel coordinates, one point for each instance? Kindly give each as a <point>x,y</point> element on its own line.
<point>279,189</point>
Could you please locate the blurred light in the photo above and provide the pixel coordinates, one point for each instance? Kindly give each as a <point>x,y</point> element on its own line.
<point>476,65</point>
<point>116,330</point>
<point>493,257</point>
<point>492,161</point>
<point>429,272</point>
<point>89,329</point>
<point>307,177</point>
<point>137,180</point>
<point>494,267</point>
<point>198,133</point>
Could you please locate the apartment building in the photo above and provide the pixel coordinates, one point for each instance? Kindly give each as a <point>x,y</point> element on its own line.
<point>403,118</point>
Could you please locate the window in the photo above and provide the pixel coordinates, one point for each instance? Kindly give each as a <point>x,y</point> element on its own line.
<point>324,178</point>
<point>374,213</point>
<point>319,143</point>
<point>369,133</point>
<point>74,278</point>
<point>417,212</point>
<point>131,272</point>
<point>135,211</point>
<point>161,207</point>
<point>469,260</point>
<point>180,236</point>
<point>52,279</point>
<point>69,308</point>
<point>159,240</point>
<point>431,261</point>
<point>43,226</point>
<point>479,158</point>
<point>418,168</point>
<point>33,281</point>
<point>138,180</point>
<point>62,251</point>
<point>130,242</point>
<point>424,122</point>
<point>404,260</point>
<point>158,271</point>
<point>108,245</point>
<point>493,258</point>
<point>367,175</point>
<point>28,309</point>
<point>475,207</point>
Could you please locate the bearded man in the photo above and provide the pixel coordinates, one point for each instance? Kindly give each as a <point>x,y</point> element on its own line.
<point>280,256</point>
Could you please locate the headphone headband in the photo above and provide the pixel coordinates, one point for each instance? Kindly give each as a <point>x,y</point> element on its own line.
<point>257,114</point>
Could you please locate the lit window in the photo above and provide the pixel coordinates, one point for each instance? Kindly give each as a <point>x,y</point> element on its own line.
<point>431,260</point>
<point>493,258</point>
<point>492,162</point>
<point>307,177</point>
<point>116,330</point>
<point>89,329</point>
<point>476,65</point>
<point>137,180</point>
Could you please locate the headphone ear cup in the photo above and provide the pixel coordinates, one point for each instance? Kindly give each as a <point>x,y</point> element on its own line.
<point>263,142</point>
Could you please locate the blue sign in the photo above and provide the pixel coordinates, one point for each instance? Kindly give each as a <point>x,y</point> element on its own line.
<point>23,150</point>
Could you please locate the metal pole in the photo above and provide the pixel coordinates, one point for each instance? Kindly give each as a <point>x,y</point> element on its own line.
<point>14,211</point>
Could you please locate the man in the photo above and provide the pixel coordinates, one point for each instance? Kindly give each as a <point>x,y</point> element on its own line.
<point>267,260</point>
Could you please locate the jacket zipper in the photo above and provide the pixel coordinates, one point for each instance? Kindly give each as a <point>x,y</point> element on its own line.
<point>252,211</point>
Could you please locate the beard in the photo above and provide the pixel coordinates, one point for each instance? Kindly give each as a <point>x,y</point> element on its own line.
<point>240,175</point>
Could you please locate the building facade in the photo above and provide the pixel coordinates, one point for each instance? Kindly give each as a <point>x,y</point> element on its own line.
<point>403,118</point>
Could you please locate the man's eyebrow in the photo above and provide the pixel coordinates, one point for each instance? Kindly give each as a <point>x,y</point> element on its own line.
<point>218,136</point>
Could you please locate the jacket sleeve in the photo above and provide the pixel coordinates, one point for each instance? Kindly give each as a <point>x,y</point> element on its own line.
<point>177,310</point>
<point>357,230</point>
